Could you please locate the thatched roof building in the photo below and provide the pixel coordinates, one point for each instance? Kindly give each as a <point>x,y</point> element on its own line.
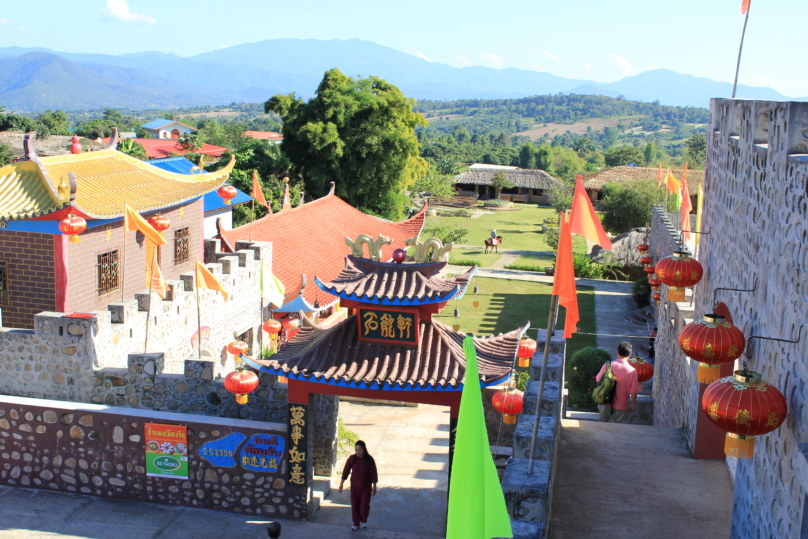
<point>529,185</point>
<point>624,248</point>
<point>594,183</point>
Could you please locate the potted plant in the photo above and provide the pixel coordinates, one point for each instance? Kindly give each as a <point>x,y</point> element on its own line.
<point>549,270</point>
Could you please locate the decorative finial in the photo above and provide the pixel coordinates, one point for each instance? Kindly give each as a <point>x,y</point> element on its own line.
<point>374,246</point>
<point>75,148</point>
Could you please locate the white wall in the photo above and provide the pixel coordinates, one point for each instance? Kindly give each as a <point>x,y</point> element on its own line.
<point>226,216</point>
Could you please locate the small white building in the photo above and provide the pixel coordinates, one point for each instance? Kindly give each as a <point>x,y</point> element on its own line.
<point>167,129</point>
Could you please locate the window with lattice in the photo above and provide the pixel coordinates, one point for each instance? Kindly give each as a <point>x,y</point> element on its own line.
<point>182,240</point>
<point>108,272</point>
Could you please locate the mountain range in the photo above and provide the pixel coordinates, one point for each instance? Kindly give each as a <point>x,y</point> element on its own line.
<point>33,79</point>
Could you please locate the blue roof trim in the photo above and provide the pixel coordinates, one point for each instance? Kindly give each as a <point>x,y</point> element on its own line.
<point>406,302</point>
<point>361,385</point>
<point>213,202</point>
<point>157,124</point>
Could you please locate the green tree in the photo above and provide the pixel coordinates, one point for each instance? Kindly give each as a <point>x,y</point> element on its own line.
<point>434,183</point>
<point>359,133</point>
<point>627,206</point>
<point>650,153</point>
<point>133,149</point>
<point>583,367</point>
<point>561,195</point>
<point>5,154</point>
<point>624,155</point>
<point>544,160</point>
<point>57,122</point>
<point>696,152</point>
<point>527,155</point>
<point>500,182</point>
<point>190,142</point>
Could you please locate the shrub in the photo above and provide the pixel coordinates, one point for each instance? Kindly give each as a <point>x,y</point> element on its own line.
<point>525,267</point>
<point>463,262</point>
<point>641,292</point>
<point>445,233</point>
<point>585,268</point>
<point>551,237</point>
<point>585,365</point>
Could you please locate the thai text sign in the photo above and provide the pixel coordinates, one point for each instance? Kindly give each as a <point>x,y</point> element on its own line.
<point>298,442</point>
<point>166,450</point>
<point>388,325</point>
<point>262,453</point>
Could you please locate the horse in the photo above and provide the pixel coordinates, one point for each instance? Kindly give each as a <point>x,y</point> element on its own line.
<point>491,245</point>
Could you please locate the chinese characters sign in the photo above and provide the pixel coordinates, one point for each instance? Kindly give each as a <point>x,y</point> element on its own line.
<point>388,325</point>
<point>166,450</point>
<point>298,437</point>
<point>262,453</point>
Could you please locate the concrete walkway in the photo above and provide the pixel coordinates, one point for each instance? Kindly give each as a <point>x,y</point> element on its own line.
<point>636,481</point>
<point>411,449</point>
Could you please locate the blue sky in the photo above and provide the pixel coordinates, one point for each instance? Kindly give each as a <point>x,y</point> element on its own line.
<point>602,40</point>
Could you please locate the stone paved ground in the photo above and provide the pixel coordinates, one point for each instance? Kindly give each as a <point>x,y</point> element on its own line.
<point>636,481</point>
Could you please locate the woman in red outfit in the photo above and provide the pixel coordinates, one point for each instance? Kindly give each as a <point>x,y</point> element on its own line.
<point>364,477</point>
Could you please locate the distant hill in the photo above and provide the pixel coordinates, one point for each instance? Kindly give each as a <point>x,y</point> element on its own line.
<point>253,72</point>
<point>38,80</point>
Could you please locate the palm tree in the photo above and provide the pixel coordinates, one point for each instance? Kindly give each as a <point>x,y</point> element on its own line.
<point>133,149</point>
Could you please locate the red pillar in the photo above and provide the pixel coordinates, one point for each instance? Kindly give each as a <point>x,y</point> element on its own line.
<point>61,279</point>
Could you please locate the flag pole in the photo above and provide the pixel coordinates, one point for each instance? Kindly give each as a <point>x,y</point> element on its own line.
<point>252,216</point>
<point>740,49</point>
<point>198,317</point>
<point>148,309</point>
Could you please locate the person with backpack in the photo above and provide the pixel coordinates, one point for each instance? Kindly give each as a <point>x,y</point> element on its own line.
<point>624,399</point>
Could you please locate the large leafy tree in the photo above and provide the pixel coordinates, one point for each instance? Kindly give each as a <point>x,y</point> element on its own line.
<point>624,155</point>
<point>627,206</point>
<point>359,133</point>
<point>696,152</point>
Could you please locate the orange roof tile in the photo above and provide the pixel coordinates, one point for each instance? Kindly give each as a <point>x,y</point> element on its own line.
<point>310,240</point>
<point>263,135</point>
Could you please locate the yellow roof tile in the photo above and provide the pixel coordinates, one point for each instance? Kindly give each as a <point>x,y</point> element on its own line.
<point>105,180</point>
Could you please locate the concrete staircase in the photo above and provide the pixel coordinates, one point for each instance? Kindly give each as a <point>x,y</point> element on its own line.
<point>320,489</point>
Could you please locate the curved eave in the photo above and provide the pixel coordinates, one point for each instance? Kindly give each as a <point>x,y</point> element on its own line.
<point>27,192</point>
<point>300,304</point>
<point>386,386</point>
<point>403,302</point>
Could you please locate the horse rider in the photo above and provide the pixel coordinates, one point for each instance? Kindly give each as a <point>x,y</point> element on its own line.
<point>494,236</point>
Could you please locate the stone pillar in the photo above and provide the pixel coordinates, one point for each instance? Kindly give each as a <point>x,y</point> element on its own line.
<point>325,416</point>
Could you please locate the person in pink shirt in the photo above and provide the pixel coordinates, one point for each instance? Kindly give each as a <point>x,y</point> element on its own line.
<point>625,397</point>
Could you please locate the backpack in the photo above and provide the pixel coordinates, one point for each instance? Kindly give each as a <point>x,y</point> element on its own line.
<point>603,392</point>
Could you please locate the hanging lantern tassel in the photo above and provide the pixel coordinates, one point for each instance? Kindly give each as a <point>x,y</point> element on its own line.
<point>457,313</point>
<point>475,304</point>
<point>708,373</point>
<point>740,447</point>
<point>476,289</point>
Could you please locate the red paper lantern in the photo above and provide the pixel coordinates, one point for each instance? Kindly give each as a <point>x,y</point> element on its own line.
<point>290,324</point>
<point>159,222</point>
<point>527,347</point>
<point>508,401</point>
<point>238,348</point>
<point>655,283</point>
<point>657,297</point>
<point>649,270</point>
<point>645,371</point>
<point>712,342</point>
<point>679,271</point>
<point>272,326</point>
<point>646,260</point>
<point>643,248</point>
<point>399,256</point>
<point>227,192</point>
<point>72,226</point>
<point>240,383</point>
<point>744,406</point>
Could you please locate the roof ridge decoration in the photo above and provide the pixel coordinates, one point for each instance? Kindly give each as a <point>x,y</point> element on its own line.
<point>61,194</point>
<point>374,246</point>
<point>113,140</point>
<point>440,252</point>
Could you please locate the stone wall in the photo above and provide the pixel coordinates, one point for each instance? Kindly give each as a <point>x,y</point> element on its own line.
<point>325,417</point>
<point>100,451</point>
<point>29,276</point>
<point>756,210</point>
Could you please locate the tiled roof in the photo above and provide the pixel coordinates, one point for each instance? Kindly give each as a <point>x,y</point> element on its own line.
<point>310,240</point>
<point>395,284</point>
<point>263,135</point>
<point>627,174</point>
<point>159,124</point>
<point>526,178</point>
<point>212,200</point>
<point>105,180</point>
<point>158,148</point>
<point>336,356</point>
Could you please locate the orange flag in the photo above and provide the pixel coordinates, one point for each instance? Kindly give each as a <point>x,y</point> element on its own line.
<point>583,220</point>
<point>687,206</point>
<point>257,193</point>
<point>205,279</point>
<point>745,6</point>
<point>672,183</point>
<point>133,221</point>
<point>659,176</point>
<point>564,280</point>
<point>158,284</point>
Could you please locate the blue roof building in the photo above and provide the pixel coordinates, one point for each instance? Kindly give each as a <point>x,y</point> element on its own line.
<point>167,129</point>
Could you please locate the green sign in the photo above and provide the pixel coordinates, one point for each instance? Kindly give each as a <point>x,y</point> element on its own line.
<point>388,325</point>
<point>166,450</point>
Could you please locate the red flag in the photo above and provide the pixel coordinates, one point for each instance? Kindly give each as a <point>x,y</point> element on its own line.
<point>564,280</point>
<point>659,176</point>
<point>745,6</point>
<point>583,220</point>
<point>257,193</point>
<point>686,206</point>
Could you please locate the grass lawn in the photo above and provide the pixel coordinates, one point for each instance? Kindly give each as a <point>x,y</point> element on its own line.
<point>520,230</point>
<point>506,304</point>
<point>535,259</point>
<point>475,256</point>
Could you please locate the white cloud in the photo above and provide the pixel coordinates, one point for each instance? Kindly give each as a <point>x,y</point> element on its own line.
<point>119,10</point>
<point>422,56</point>
<point>586,67</point>
<point>493,59</point>
<point>552,56</point>
<point>5,21</point>
<point>760,80</point>
<point>463,60</point>
<point>223,47</point>
<point>622,64</point>
<point>23,28</point>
